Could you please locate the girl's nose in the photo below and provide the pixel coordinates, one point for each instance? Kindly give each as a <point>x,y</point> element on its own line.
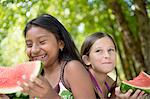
<point>106,54</point>
<point>35,49</point>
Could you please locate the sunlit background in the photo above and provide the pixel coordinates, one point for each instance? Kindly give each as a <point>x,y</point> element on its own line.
<point>81,18</point>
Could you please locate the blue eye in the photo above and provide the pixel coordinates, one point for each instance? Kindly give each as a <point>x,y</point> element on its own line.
<point>111,50</point>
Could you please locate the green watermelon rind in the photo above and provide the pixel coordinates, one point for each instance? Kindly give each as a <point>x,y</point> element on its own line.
<point>38,70</point>
<point>10,90</point>
<point>124,87</point>
<point>35,73</point>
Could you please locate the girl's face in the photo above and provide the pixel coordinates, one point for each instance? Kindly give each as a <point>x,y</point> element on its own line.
<point>102,56</point>
<point>42,45</point>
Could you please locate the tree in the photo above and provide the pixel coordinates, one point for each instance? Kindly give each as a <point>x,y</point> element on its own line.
<point>129,27</point>
<point>144,30</point>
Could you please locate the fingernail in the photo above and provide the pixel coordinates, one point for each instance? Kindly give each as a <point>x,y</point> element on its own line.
<point>139,90</point>
<point>19,83</point>
<point>32,78</point>
<point>131,90</point>
<point>143,91</point>
<point>23,77</point>
<point>21,89</point>
<point>25,84</point>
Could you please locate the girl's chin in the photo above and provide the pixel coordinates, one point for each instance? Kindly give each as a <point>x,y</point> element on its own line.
<point>45,64</point>
<point>106,70</point>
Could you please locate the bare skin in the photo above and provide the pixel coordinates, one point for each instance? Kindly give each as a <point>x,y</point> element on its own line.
<point>138,94</point>
<point>75,75</point>
<point>102,60</point>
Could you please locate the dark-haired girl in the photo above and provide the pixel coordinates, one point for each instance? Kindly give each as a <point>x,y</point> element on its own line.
<point>64,74</point>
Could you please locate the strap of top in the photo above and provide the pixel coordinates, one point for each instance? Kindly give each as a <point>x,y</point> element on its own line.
<point>62,75</point>
<point>96,83</point>
<point>107,86</point>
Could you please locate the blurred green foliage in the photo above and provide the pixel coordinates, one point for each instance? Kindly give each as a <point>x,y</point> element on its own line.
<point>80,17</point>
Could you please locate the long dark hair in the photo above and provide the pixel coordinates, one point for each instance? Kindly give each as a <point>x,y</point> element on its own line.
<point>86,46</point>
<point>48,22</point>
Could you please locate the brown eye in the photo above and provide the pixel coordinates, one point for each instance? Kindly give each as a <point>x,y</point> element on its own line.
<point>29,45</point>
<point>42,42</point>
<point>99,50</point>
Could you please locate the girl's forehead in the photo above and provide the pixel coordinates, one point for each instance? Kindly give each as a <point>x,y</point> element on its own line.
<point>38,32</point>
<point>103,42</point>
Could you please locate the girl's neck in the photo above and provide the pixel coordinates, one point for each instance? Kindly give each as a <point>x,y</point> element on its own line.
<point>102,85</point>
<point>52,74</point>
<point>100,77</point>
<point>52,68</point>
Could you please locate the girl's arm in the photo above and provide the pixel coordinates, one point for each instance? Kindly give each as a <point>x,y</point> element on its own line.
<point>78,79</point>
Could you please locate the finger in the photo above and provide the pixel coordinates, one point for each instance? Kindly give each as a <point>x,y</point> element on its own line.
<point>141,95</point>
<point>31,88</point>
<point>38,84</point>
<point>31,97</point>
<point>145,96</point>
<point>127,94</point>
<point>117,98</point>
<point>24,87</point>
<point>136,94</point>
<point>35,88</point>
<point>3,96</point>
<point>117,91</point>
<point>41,81</point>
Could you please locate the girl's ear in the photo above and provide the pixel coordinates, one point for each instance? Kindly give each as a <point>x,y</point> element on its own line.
<point>85,59</point>
<point>61,45</point>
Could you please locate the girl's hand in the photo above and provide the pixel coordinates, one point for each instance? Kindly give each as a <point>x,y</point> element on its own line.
<point>38,87</point>
<point>138,94</point>
<point>2,96</point>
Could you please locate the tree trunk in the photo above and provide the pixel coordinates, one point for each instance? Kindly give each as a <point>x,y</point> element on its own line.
<point>123,60</point>
<point>129,41</point>
<point>144,30</point>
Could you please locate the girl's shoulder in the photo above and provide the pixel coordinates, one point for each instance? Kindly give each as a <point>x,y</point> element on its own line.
<point>73,65</point>
<point>77,79</point>
<point>74,70</point>
<point>71,69</point>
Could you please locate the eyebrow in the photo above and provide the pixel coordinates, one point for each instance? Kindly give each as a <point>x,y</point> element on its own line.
<point>102,47</point>
<point>41,36</point>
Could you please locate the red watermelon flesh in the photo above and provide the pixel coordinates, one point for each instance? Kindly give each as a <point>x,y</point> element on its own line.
<point>9,76</point>
<point>142,82</point>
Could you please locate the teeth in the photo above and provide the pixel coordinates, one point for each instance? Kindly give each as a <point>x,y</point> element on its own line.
<point>43,56</point>
<point>39,57</point>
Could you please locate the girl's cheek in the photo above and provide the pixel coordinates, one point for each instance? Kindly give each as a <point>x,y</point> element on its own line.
<point>28,52</point>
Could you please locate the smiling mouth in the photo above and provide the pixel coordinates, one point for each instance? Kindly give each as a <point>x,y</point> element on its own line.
<point>107,63</point>
<point>41,57</point>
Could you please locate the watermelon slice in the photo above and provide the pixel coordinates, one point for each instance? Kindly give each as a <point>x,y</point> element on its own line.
<point>9,76</point>
<point>142,82</point>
